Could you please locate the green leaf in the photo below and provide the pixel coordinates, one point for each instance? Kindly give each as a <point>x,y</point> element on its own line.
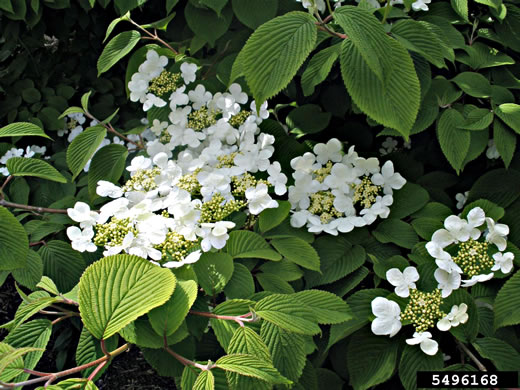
<point>284,269</point>
<point>107,164</point>
<point>285,42</point>
<point>164,363</point>
<point>507,311</point>
<point>461,8</point>
<point>83,147</point>
<point>270,218</point>
<point>338,259</point>
<point>114,23</point>
<point>503,355</point>
<point>477,118</point>
<point>48,285</point>
<point>249,365</point>
<point>286,349</point>
<point>247,244</point>
<point>397,232</point>
<point>224,329</point>
<point>117,48</point>
<point>253,13</point>
<point>499,186</point>
<point>409,199</point>
<point>416,37</point>
<point>505,141</point>
<point>308,119</point>
<point>29,308</point>
<point>367,35</point>
<point>34,334</point>
<point>205,381</point>
<point>510,114</point>
<point>273,283</point>
<point>327,307</point>
<point>23,166</point>
<point>298,251</point>
<point>393,102</point>
<point>214,270</point>
<point>454,142</point>
<point>11,362</point>
<point>14,244</point>
<point>473,84</point>
<point>286,312</point>
<point>241,284</point>
<point>166,319</point>
<point>170,4</point>
<point>89,349</point>
<point>366,368</point>
<point>135,286</point>
<point>71,110</point>
<point>20,129</point>
<point>490,209</point>
<point>62,264</point>
<point>413,360</point>
<point>206,24</point>
<point>215,5</point>
<point>319,68</point>
<point>84,100</point>
<point>32,273</point>
<point>161,24</point>
<point>31,95</point>
<point>480,55</point>
<point>141,333</point>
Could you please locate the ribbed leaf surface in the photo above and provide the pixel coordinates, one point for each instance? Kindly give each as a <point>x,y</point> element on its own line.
<point>20,129</point>
<point>83,147</point>
<point>116,290</point>
<point>23,166</point>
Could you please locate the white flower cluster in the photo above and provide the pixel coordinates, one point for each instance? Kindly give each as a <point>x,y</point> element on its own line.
<point>74,127</point>
<point>422,311</point>
<point>335,192</point>
<point>171,207</point>
<point>389,145</point>
<point>320,5</point>
<point>30,151</point>
<point>473,247</point>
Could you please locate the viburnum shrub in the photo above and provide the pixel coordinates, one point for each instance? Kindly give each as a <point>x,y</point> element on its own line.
<point>261,217</point>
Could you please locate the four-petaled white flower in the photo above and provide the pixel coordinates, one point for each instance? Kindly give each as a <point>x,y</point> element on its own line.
<point>403,281</point>
<point>387,321</point>
<point>106,188</point>
<point>277,178</point>
<point>331,151</point>
<point>259,200</point>
<point>503,262</point>
<point>81,213</point>
<point>424,339</point>
<point>214,235</point>
<point>193,257</point>
<point>458,315</point>
<point>448,281</point>
<point>388,178</point>
<point>497,233</point>
<point>81,240</point>
<point>188,72</point>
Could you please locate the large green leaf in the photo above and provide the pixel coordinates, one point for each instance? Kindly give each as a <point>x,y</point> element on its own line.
<point>510,114</point>
<point>62,264</point>
<point>32,273</point>
<point>397,232</point>
<point>473,84</point>
<point>502,354</point>
<point>214,270</point>
<point>11,362</point>
<point>253,13</point>
<point>34,334</point>
<point>409,199</point>
<point>287,350</point>
<point>117,48</point>
<point>14,244</point>
<point>205,381</point>
<point>167,318</point>
<point>393,101</point>
<point>116,290</point>
<point>507,310</point>
<point>298,251</point>
<point>22,166</point>
<point>416,37</point>
<point>287,312</point>
<point>498,185</point>
<point>249,365</point>
<point>454,142</point>
<point>413,360</point>
<point>371,359</point>
<point>241,284</point>
<point>505,141</point>
<point>271,218</point>
<point>20,129</point>
<point>206,24</point>
<point>284,43</point>
<point>319,68</point>
<point>83,147</point>
<point>247,244</point>
<point>327,307</point>
<point>107,164</point>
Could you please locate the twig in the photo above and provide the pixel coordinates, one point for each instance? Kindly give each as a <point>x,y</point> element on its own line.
<point>36,209</point>
<point>50,377</point>
<point>470,354</point>
<point>9,178</point>
<point>188,362</point>
<point>111,129</point>
<point>249,317</point>
<point>41,242</point>
<point>96,371</point>
<point>64,318</point>
<point>104,348</point>
<point>154,36</point>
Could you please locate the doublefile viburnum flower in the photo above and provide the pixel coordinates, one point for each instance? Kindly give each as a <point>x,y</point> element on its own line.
<point>403,281</point>
<point>387,321</point>
<point>457,315</point>
<point>335,192</point>
<point>424,339</point>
